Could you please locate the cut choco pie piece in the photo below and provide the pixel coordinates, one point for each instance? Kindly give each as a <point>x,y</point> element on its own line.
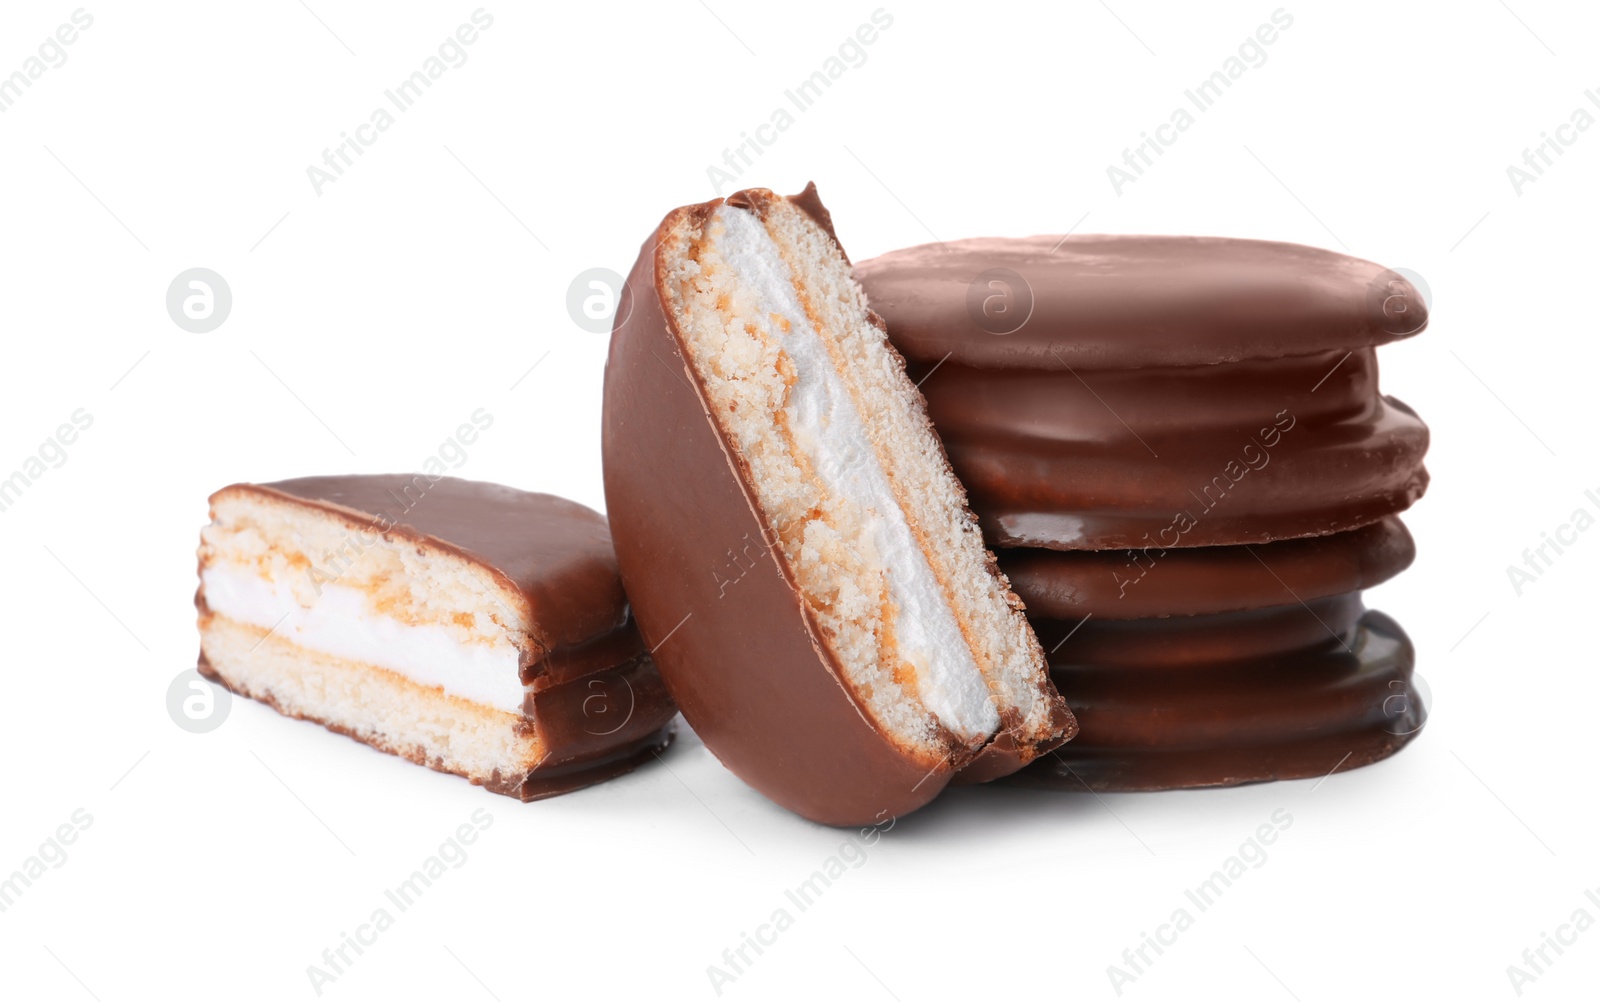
<point>799,555</point>
<point>469,627</point>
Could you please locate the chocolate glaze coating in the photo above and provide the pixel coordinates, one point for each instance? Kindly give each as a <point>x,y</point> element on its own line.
<point>1201,641</point>
<point>596,703</point>
<point>742,660</point>
<point>597,726</point>
<point>1248,451</point>
<point>1138,584</point>
<point>1124,302</point>
<point>1290,716</point>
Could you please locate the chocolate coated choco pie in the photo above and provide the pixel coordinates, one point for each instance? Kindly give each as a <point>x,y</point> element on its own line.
<point>1158,391</point>
<point>1338,704</point>
<point>1205,606</point>
<point>799,557</point>
<point>1141,583</point>
<point>1133,302</point>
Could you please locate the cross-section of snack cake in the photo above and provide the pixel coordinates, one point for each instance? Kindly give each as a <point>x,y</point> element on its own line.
<point>466,626</point>
<point>791,534</point>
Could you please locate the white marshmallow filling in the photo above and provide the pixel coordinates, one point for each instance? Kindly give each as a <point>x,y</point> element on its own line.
<point>341,622</point>
<point>835,446</point>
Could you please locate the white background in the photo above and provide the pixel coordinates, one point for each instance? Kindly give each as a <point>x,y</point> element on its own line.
<point>373,318</point>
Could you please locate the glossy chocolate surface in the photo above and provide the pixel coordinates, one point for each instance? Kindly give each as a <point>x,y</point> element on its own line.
<point>1126,302</point>
<point>1157,581</point>
<point>595,727</point>
<point>1199,641</point>
<point>1288,716</point>
<point>1245,452</point>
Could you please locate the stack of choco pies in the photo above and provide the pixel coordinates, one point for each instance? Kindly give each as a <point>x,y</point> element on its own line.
<point>1178,449</point>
